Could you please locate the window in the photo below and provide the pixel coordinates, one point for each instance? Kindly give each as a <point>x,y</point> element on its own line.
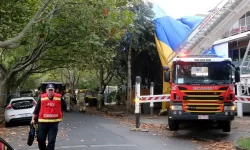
<point>242,52</point>
<point>248,14</point>
<point>235,56</point>
<point>248,18</point>
<point>242,21</point>
<point>236,25</point>
<point>230,53</point>
<point>23,104</point>
<point>202,73</point>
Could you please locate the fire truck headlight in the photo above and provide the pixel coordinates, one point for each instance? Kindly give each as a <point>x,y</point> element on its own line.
<point>229,108</point>
<point>176,107</point>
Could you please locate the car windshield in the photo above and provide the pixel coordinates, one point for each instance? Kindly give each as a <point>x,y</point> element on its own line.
<point>206,73</point>
<point>22,104</point>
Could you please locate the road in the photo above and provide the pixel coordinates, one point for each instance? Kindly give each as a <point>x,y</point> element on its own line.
<point>82,131</point>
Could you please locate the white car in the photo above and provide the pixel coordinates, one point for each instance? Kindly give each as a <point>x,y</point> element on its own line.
<point>19,110</point>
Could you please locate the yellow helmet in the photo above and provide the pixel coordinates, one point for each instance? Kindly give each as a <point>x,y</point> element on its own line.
<point>81,91</point>
<point>67,91</point>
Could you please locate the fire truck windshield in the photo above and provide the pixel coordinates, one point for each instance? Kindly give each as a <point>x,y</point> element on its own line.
<point>205,73</point>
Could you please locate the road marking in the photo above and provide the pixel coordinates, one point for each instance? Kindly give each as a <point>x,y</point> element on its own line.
<point>76,146</point>
<point>104,145</point>
<point>113,145</point>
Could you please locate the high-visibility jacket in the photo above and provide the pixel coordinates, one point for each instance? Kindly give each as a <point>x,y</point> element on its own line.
<point>50,110</point>
<point>81,96</point>
<point>67,96</point>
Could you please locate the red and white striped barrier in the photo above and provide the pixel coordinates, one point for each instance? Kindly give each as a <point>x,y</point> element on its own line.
<point>166,98</point>
<point>242,99</point>
<point>154,98</point>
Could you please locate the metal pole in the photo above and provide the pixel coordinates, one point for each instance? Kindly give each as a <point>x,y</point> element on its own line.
<point>239,104</point>
<point>151,93</point>
<point>137,103</point>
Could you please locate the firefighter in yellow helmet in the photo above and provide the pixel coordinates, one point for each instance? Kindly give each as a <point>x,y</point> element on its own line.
<point>81,101</point>
<point>67,99</point>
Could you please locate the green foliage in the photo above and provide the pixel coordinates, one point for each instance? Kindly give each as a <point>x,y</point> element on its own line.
<point>243,143</point>
<point>141,42</point>
<point>32,82</point>
<point>113,97</point>
<point>89,80</point>
<point>15,14</point>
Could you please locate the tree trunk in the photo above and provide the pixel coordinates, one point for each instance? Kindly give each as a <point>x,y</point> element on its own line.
<point>129,86</point>
<point>99,97</point>
<point>3,97</point>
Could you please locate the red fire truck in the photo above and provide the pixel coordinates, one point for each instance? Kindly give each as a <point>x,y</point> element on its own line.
<point>202,88</point>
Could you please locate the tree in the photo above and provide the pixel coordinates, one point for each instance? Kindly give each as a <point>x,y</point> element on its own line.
<point>72,76</point>
<point>139,38</point>
<point>14,26</point>
<point>105,34</point>
<point>138,33</point>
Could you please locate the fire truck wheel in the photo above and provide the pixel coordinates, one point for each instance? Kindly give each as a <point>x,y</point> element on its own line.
<point>173,125</point>
<point>226,126</point>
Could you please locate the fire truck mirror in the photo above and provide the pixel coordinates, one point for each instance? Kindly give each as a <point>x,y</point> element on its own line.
<point>167,76</point>
<point>237,75</point>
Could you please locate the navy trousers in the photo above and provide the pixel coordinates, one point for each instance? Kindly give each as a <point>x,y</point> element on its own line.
<point>45,129</point>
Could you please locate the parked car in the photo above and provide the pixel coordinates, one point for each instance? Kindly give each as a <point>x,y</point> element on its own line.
<point>19,110</point>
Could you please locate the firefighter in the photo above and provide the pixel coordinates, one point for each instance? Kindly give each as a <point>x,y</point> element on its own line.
<point>81,101</point>
<point>49,112</point>
<point>67,98</point>
<point>72,97</point>
<point>99,100</point>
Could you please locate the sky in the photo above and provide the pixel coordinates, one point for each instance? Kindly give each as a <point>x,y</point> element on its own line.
<point>180,8</point>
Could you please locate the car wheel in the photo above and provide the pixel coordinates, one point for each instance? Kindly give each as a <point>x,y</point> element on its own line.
<point>7,124</point>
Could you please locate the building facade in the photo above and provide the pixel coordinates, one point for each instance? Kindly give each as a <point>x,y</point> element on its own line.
<point>237,47</point>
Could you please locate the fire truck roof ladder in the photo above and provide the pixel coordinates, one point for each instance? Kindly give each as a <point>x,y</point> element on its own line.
<point>220,20</point>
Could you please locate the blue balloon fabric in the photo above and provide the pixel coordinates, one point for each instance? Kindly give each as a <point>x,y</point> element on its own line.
<point>170,32</point>
<point>173,32</point>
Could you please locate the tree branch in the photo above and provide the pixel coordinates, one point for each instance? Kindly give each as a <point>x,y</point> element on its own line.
<point>7,43</point>
<point>3,69</point>
<point>47,16</point>
<point>44,70</point>
<point>110,72</point>
<point>35,54</point>
<point>22,65</point>
<point>67,75</point>
<point>24,75</point>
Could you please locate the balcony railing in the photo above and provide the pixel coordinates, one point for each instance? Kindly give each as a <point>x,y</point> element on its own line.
<point>241,26</point>
<point>236,31</point>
